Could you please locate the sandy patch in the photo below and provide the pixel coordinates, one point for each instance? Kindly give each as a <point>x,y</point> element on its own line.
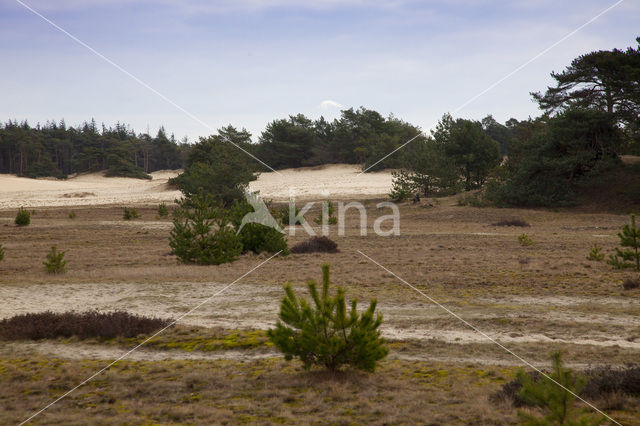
<point>337,181</point>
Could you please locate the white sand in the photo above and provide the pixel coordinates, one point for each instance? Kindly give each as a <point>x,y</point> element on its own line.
<point>338,181</point>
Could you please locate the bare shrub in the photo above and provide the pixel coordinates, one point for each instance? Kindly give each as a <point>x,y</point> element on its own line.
<point>631,283</point>
<point>316,245</point>
<point>512,222</point>
<point>51,325</point>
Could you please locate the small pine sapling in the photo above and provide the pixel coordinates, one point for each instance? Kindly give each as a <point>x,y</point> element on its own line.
<point>630,257</point>
<point>596,253</point>
<point>23,218</point>
<point>130,213</point>
<point>525,240</point>
<point>163,211</point>
<point>55,263</point>
<point>321,332</point>
<point>330,210</point>
<point>1,252</point>
<point>555,395</point>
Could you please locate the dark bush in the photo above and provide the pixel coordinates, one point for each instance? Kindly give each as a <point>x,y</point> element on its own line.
<point>260,238</point>
<point>601,383</point>
<point>163,210</point>
<point>608,380</point>
<point>51,325</point>
<point>316,245</point>
<point>631,283</point>
<point>511,222</point>
<point>1,252</point>
<point>202,233</point>
<point>23,218</point>
<point>130,213</point>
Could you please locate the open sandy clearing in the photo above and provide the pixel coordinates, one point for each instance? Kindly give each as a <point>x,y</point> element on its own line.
<point>255,306</point>
<point>337,181</point>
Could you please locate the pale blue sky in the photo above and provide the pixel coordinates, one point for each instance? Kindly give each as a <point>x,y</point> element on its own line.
<point>247,62</point>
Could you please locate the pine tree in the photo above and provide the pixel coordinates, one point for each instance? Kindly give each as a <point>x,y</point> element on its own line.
<point>323,333</point>
<point>555,397</point>
<point>55,263</point>
<point>202,233</point>
<point>1,252</point>
<point>629,237</point>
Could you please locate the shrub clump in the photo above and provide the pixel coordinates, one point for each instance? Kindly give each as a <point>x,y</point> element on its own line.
<point>601,383</point>
<point>323,333</point>
<point>1,252</point>
<point>596,253</point>
<point>202,233</point>
<point>130,213</point>
<point>256,237</point>
<point>84,325</point>
<point>55,263</point>
<point>525,240</point>
<point>163,211</point>
<point>631,283</point>
<point>512,222</point>
<point>316,245</point>
<point>23,218</point>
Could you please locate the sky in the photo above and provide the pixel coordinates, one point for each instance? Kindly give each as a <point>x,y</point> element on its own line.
<point>249,62</point>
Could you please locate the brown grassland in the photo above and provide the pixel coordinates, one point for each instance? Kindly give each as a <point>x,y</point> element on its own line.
<point>217,367</point>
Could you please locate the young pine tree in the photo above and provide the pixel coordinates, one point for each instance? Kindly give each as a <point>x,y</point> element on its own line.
<point>1,252</point>
<point>630,257</point>
<point>55,263</point>
<point>555,397</point>
<point>324,333</point>
<point>202,232</point>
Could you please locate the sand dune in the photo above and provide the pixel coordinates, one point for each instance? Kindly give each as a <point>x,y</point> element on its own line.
<point>333,181</point>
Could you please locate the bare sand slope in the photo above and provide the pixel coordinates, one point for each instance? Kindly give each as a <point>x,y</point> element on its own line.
<point>333,181</point>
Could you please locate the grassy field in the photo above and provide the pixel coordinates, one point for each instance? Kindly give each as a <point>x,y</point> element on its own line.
<point>217,365</point>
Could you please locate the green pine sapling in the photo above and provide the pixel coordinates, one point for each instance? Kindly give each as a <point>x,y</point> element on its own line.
<point>628,258</point>
<point>322,332</point>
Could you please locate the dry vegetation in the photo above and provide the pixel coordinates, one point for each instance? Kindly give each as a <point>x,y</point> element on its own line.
<point>534,299</point>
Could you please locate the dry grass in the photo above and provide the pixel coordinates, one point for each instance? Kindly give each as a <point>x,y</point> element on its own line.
<point>556,300</point>
<point>268,390</point>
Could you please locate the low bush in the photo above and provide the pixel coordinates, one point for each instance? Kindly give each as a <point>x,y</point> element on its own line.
<point>72,215</point>
<point>601,384</point>
<point>631,283</point>
<point>256,237</point>
<point>1,252</point>
<point>130,213</point>
<point>55,263</point>
<point>260,238</point>
<point>316,245</point>
<point>473,200</point>
<point>525,240</point>
<point>321,332</point>
<point>91,324</point>
<point>606,380</point>
<point>512,222</point>
<point>596,253</point>
<point>202,233</point>
<point>163,211</point>
<point>23,218</point>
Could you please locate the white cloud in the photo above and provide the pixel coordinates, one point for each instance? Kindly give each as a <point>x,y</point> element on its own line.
<point>329,104</point>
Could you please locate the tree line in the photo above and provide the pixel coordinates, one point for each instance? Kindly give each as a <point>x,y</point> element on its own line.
<point>54,149</point>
